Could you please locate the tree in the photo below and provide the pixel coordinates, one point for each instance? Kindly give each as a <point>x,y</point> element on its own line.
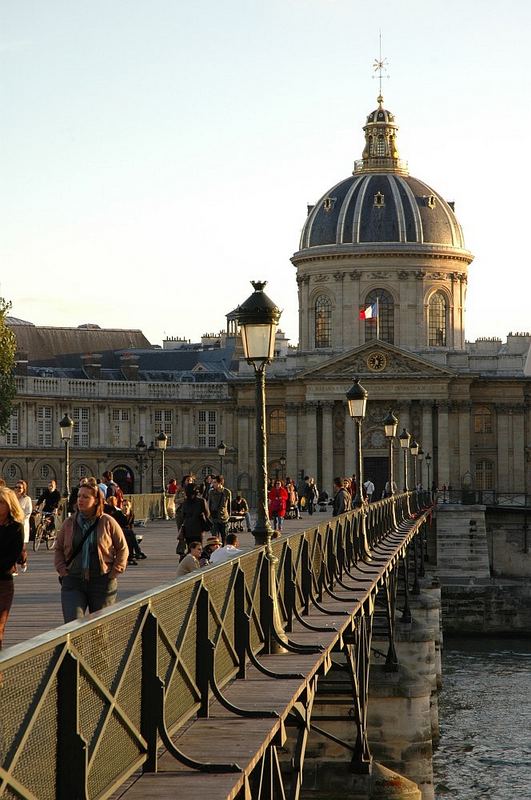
<point>8,347</point>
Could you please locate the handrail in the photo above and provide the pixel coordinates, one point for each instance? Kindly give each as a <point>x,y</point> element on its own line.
<point>95,694</point>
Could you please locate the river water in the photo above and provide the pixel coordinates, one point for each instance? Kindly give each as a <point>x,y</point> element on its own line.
<point>485,720</point>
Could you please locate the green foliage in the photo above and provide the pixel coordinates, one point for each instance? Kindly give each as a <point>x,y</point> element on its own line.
<point>8,347</point>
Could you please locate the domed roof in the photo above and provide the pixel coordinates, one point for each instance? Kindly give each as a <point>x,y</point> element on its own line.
<point>381,207</point>
<point>381,202</point>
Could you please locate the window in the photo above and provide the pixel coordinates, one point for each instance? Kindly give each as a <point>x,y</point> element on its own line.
<point>12,430</point>
<point>437,309</point>
<point>81,417</point>
<point>379,199</point>
<point>12,472</point>
<point>383,326</point>
<point>45,471</point>
<point>44,426</point>
<point>207,470</point>
<point>163,422</point>
<point>323,321</point>
<point>380,145</point>
<point>485,474</point>
<point>207,429</point>
<point>277,421</point>
<point>120,414</point>
<point>482,420</point>
<point>82,471</point>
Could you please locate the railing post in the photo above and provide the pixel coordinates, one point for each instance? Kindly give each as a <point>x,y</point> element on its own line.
<point>151,691</point>
<point>72,750</point>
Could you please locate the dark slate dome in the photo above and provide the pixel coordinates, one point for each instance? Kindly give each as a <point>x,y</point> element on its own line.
<point>372,207</point>
<point>381,202</point>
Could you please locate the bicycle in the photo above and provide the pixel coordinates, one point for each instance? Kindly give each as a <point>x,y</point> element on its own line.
<point>45,531</point>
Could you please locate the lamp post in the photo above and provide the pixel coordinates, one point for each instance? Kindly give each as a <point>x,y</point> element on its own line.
<point>428,464</point>
<point>162,441</point>
<point>357,403</point>
<point>282,460</point>
<point>140,456</point>
<point>421,459</point>
<point>222,449</point>
<point>67,428</point>
<point>414,450</point>
<point>152,453</point>
<point>404,438</point>
<point>258,319</point>
<point>390,422</point>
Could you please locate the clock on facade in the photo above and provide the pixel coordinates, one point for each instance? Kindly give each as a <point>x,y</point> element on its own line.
<point>376,361</point>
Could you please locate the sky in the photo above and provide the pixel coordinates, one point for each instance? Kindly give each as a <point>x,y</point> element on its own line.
<point>157,155</point>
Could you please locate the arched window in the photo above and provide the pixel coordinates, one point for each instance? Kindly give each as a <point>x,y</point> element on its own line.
<point>277,421</point>
<point>485,474</point>
<point>482,420</point>
<point>323,321</point>
<point>437,320</point>
<point>383,326</point>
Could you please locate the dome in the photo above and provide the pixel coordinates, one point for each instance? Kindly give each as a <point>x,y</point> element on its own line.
<point>381,203</point>
<point>378,207</point>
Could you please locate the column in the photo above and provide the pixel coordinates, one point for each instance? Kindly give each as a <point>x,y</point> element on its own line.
<point>501,482</point>
<point>102,438</point>
<point>292,456</point>
<point>328,448</point>
<point>243,442</point>
<point>427,428</point>
<point>517,479</point>
<point>310,449</point>
<point>403,422</point>
<point>463,410</point>
<point>443,444</point>
<point>350,445</point>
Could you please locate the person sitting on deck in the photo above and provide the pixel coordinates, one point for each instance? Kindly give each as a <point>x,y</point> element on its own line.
<point>232,548</point>
<point>191,561</point>
<point>239,506</point>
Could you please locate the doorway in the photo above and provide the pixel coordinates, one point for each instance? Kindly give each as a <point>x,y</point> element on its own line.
<point>377,469</point>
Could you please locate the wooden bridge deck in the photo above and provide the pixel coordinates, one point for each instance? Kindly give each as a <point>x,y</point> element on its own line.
<point>37,606</point>
<point>245,740</point>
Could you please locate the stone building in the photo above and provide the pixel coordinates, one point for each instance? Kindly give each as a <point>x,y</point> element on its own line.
<point>378,239</point>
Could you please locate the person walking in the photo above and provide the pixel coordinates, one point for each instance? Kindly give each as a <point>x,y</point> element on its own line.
<point>311,495</point>
<point>278,498</point>
<point>342,498</point>
<point>90,552</point>
<point>219,503</point>
<point>26,504</point>
<point>12,551</point>
<point>193,516</point>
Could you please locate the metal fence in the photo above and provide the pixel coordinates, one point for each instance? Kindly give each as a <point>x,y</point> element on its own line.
<point>84,706</point>
<point>484,497</point>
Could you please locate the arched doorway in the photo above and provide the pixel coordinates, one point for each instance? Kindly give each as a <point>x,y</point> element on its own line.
<point>125,478</point>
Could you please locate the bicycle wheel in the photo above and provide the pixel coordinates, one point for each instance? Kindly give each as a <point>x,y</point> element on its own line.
<point>39,531</point>
<point>50,539</point>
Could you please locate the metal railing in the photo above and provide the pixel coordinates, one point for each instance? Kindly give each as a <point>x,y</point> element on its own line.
<point>483,497</point>
<point>87,704</point>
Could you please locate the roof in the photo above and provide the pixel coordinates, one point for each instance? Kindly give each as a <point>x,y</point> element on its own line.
<point>42,343</point>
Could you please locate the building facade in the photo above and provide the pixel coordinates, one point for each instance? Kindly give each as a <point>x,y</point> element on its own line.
<point>378,239</point>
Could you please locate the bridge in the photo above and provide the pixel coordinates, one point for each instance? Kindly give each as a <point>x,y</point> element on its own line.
<point>209,684</point>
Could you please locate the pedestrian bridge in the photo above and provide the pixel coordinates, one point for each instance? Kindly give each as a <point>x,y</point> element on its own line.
<point>207,685</point>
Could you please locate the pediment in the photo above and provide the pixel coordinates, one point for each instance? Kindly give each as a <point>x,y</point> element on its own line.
<point>376,359</point>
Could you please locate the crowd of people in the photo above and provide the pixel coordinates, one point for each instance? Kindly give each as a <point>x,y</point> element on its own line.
<point>97,542</point>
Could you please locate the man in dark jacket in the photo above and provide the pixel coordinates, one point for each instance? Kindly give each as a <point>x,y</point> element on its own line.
<point>219,503</point>
<point>342,498</point>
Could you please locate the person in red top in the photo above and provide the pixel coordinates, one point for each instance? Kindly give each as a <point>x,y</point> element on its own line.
<point>278,499</point>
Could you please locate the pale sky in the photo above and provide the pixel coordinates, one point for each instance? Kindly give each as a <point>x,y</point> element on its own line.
<point>157,155</point>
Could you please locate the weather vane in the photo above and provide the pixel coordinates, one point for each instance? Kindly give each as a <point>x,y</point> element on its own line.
<point>380,66</point>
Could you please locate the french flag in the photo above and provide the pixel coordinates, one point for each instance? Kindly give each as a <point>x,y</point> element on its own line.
<point>369,312</point>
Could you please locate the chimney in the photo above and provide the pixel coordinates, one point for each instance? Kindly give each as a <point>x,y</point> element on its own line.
<point>21,362</point>
<point>129,366</point>
<point>91,364</point>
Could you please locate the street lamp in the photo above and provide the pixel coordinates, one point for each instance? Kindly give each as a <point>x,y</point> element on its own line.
<point>420,458</point>
<point>357,403</point>
<point>404,438</point>
<point>152,452</point>
<point>414,450</point>
<point>141,448</point>
<point>390,422</point>
<point>67,428</point>
<point>428,464</point>
<point>162,441</point>
<point>222,449</point>
<point>282,460</point>
<point>258,318</point>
